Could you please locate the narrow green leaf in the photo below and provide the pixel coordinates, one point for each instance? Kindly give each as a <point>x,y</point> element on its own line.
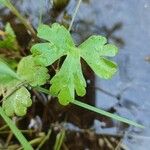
<point>9,41</point>
<point>105,113</point>
<point>26,145</point>
<point>97,110</point>
<point>5,2</point>
<point>59,140</point>
<point>6,73</point>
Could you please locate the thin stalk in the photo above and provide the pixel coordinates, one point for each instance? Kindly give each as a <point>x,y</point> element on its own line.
<point>71,23</point>
<point>9,5</point>
<point>74,14</point>
<point>105,113</point>
<point>16,131</point>
<point>97,110</point>
<point>44,140</point>
<point>59,140</point>
<point>3,127</point>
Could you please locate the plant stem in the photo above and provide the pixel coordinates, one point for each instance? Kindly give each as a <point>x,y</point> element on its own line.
<point>105,113</point>
<point>97,110</point>
<point>44,140</point>
<point>16,131</point>
<point>21,18</point>
<point>74,14</point>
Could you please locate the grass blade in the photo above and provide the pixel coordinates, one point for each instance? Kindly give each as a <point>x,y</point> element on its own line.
<point>59,140</point>
<point>10,6</point>
<point>105,113</point>
<point>97,110</point>
<point>16,131</point>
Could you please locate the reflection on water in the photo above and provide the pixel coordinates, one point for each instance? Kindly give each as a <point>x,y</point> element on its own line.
<point>132,20</point>
<point>127,24</point>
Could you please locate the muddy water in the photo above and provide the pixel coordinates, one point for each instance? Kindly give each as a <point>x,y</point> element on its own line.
<point>125,23</point>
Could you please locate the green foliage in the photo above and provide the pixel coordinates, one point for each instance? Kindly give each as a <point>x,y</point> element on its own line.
<point>17,102</point>
<point>93,51</point>
<point>26,145</point>
<point>4,2</point>
<point>59,140</point>
<point>105,113</point>
<point>70,78</point>
<point>59,43</point>
<point>6,73</point>
<point>34,74</point>
<point>9,41</point>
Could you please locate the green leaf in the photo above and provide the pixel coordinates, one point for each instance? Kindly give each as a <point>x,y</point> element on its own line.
<point>59,140</point>
<point>4,2</point>
<point>9,41</point>
<point>93,50</point>
<point>46,53</point>
<point>109,50</point>
<point>6,73</point>
<point>70,78</point>
<point>60,43</point>
<point>26,145</point>
<point>34,74</point>
<point>17,102</point>
<point>57,35</point>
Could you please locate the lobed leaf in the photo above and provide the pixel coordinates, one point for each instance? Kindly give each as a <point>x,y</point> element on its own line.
<point>70,78</point>
<point>93,50</point>
<point>17,102</point>
<point>46,53</point>
<point>60,43</point>
<point>57,35</point>
<point>34,74</point>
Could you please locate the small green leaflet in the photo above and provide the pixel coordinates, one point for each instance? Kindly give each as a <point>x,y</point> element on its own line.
<point>93,51</point>
<point>6,73</point>
<point>35,75</point>
<point>70,78</point>
<point>17,101</point>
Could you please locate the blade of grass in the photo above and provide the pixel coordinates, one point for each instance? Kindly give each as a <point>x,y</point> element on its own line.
<point>105,113</point>
<point>59,140</point>
<point>16,131</point>
<point>97,110</point>
<point>74,14</point>
<point>44,140</point>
